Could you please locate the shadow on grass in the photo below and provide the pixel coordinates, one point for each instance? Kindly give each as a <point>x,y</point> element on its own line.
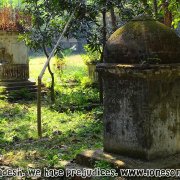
<point>65,145</point>
<point>77,99</point>
<point>12,111</point>
<point>14,120</point>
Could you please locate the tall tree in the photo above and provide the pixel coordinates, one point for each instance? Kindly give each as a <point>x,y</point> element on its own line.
<point>48,21</point>
<point>155,6</point>
<point>113,19</point>
<point>167,13</point>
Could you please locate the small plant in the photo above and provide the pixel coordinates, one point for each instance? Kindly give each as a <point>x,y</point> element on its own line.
<point>52,160</point>
<point>23,93</point>
<point>59,64</point>
<point>60,59</point>
<point>102,164</point>
<point>2,90</point>
<point>90,57</point>
<point>86,82</point>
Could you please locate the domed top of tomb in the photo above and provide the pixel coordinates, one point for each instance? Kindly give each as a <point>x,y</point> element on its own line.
<point>143,39</point>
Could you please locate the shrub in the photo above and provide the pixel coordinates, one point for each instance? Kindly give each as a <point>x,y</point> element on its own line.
<point>90,57</point>
<point>23,93</point>
<point>60,59</point>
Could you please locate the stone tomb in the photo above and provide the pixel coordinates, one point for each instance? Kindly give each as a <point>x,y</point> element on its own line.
<point>142,90</point>
<point>142,110</point>
<point>141,80</point>
<point>14,63</point>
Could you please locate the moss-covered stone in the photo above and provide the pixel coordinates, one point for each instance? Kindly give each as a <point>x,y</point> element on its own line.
<point>143,41</point>
<point>141,109</point>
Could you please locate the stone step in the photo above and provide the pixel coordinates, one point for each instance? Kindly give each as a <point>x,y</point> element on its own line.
<point>11,88</point>
<point>33,95</point>
<point>71,166</point>
<point>17,83</point>
<point>33,89</point>
<point>16,90</point>
<point>90,157</point>
<point>7,86</point>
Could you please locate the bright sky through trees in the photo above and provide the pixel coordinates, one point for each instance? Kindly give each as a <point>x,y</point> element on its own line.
<point>13,3</point>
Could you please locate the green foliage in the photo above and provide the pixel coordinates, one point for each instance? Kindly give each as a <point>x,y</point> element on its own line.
<point>53,159</point>
<point>23,93</point>
<point>44,26</point>
<point>49,19</point>
<point>65,134</point>
<point>86,82</point>
<point>91,56</point>
<point>60,59</point>
<point>174,7</point>
<point>75,98</point>
<point>69,127</point>
<point>102,164</point>
<point>2,90</point>
<point>13,3</point>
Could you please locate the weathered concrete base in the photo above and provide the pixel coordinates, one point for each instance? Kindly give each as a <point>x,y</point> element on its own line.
<point>88,159</point>
<point>141,109</point>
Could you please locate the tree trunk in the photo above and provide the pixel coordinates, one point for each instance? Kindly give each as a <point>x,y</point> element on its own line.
<point>52,84</point>
<point>52,76</point>
<point>104,32</point>
<point>102,54</point>
<point>155,8</point>
<point>167,14</point>
<point>113,19</point>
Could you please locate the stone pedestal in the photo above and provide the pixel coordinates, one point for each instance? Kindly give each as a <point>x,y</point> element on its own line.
<point>141,109</point>
<point>93,75</point>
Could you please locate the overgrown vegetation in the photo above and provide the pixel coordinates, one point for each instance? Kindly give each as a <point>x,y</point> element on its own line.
<point>90,57</point>
<point>74,122</point>
<point>103,165</point>
<point>70,126</point>
<point>23,93</point>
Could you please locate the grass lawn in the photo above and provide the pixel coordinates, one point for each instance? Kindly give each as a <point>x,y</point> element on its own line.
<point>66,132</point>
